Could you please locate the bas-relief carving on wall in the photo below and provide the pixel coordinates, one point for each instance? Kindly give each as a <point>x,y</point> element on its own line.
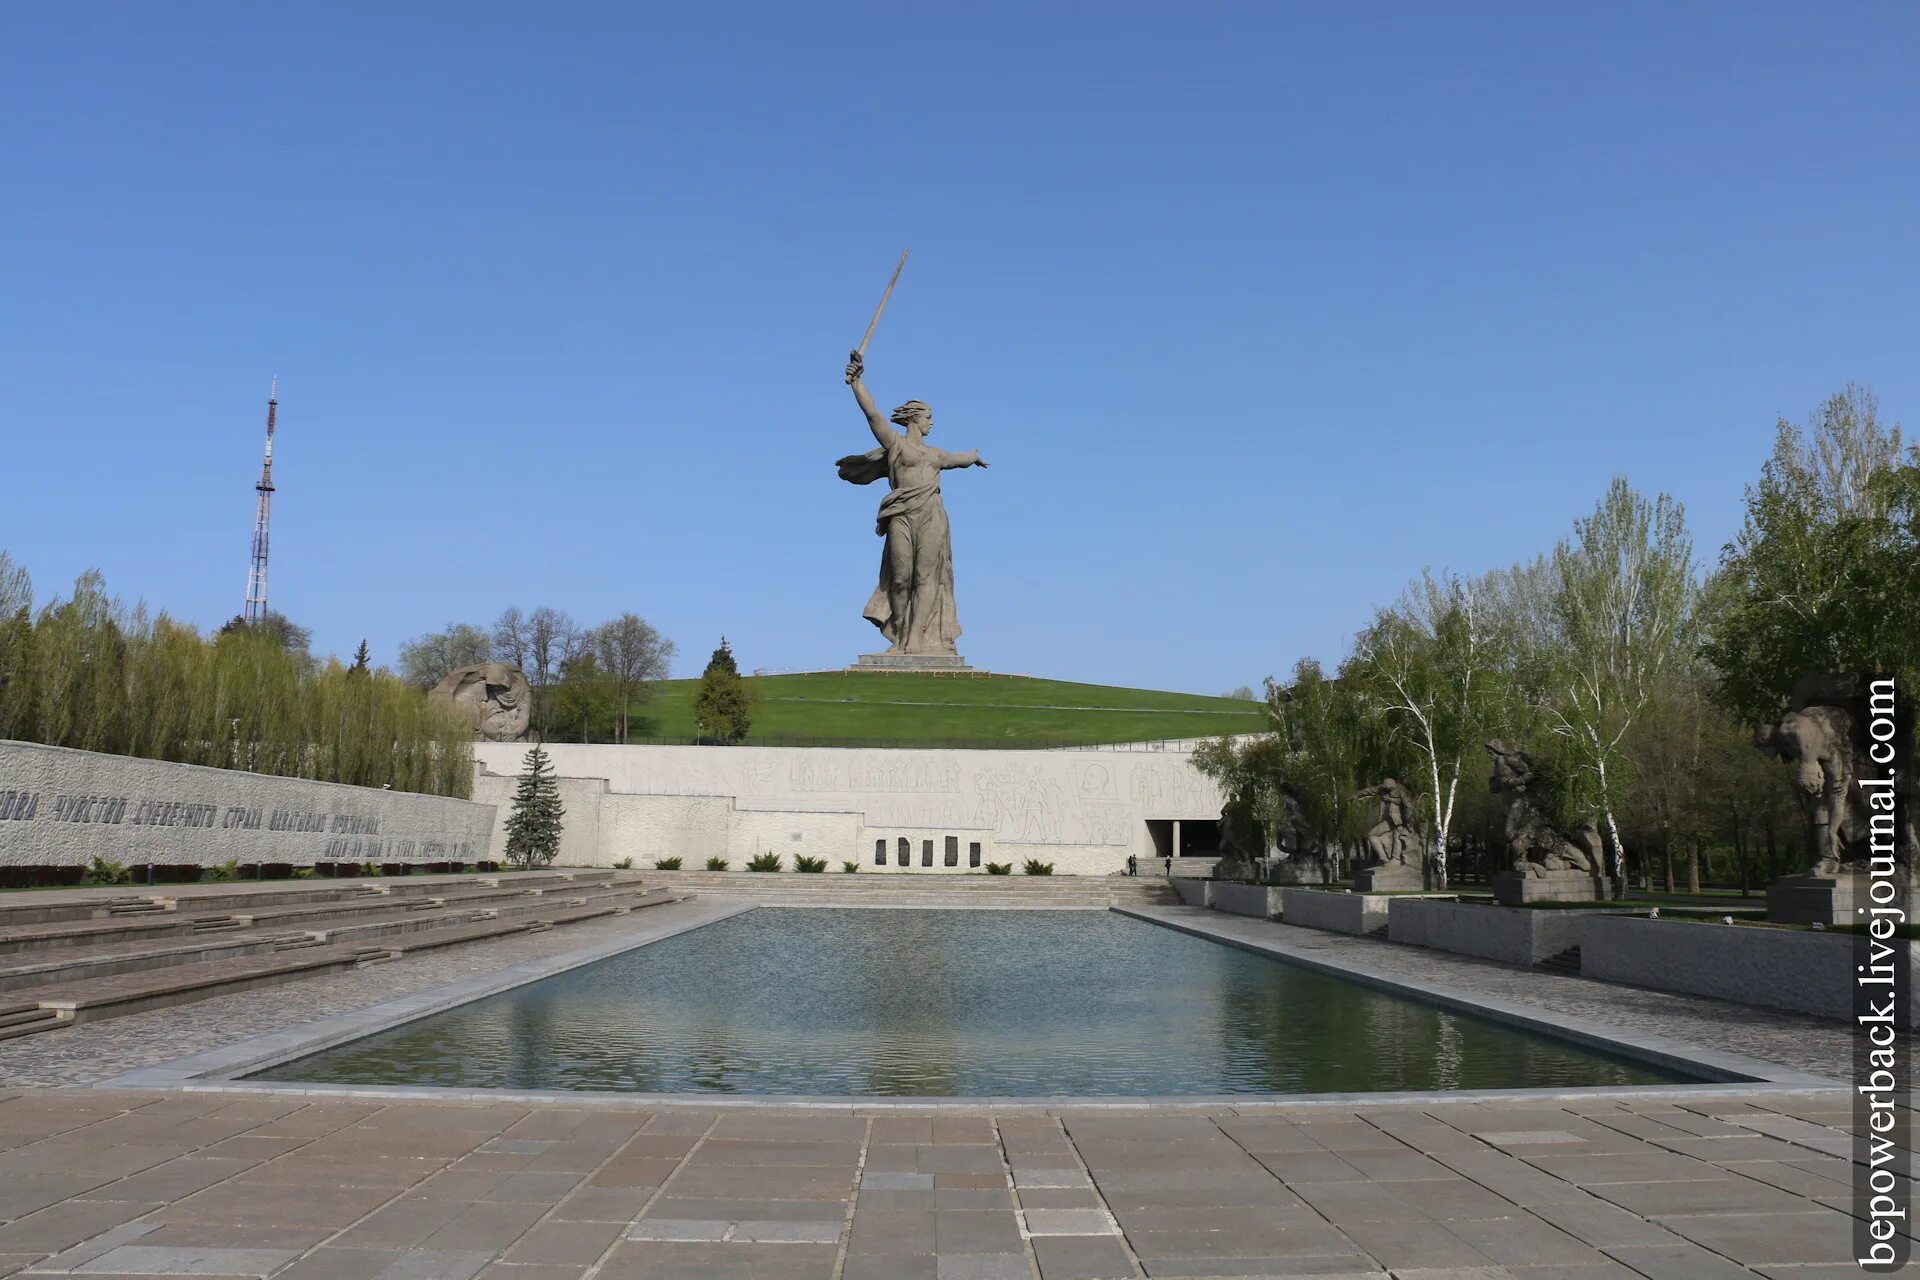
<point>1096,782</point>
<point>853,777</point>
<point>1154,786</point>
<point>1020,802</point>
<point>1106,825</point>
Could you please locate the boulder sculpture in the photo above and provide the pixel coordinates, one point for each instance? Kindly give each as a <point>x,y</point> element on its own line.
<point>495,697</point>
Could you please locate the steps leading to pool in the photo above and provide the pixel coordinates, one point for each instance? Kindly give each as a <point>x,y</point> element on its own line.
<point>74,968</point>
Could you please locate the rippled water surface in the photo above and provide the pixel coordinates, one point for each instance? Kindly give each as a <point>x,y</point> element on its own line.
<point>958,1003</point>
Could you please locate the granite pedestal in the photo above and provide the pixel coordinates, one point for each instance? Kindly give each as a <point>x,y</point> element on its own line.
<point>912,662</point>
<point>1811,899</point>
<point>1512,887</point>
<point>1388,877</point>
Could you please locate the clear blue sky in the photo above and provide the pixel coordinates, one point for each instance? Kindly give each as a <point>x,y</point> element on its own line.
<point>1255,309</point>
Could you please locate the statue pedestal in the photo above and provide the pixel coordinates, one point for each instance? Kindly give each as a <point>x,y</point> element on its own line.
<point>1388,877</point>
<point>1829,900</point>
<point>1512,887</point>
<point>1298,871</point>
<point>912,662</point>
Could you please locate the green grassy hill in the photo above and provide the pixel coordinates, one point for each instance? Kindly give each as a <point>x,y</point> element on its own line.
<point>909,709</point>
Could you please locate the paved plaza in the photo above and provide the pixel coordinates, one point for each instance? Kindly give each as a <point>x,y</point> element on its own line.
<point>1672,1183</point>
<point>105,1182</point>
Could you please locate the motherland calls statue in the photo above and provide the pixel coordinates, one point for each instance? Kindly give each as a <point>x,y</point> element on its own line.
<point>913,604</point>
<point>493,696</point>
<point>1547,863</point>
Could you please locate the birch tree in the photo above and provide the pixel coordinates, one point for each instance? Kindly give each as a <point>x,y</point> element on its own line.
<point>1326,751</point>
<point>1620,589</point>
<point>1428,667</point>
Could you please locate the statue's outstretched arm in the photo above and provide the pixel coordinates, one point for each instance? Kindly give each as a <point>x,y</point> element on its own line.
<point>885,434</point>
<point>954,461</point>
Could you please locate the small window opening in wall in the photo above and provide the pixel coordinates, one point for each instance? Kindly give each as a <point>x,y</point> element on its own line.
<point>880,852</point>
<point>926,853</point>
<point>906,852</point>
<point>953,851</point>
<point>973,853</point>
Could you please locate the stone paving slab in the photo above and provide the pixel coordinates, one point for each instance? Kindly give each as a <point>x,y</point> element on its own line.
<point>291,1188</point>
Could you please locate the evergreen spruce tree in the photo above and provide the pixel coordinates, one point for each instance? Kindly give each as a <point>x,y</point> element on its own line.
<point>360,659</point>
<point>723,708</point>
<point>533,828</point>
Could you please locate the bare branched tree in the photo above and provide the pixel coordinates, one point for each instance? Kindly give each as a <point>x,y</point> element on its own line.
<point>553,639</point>
<point>511,642</point>
<point>632,654</point>
<point>426,660</point>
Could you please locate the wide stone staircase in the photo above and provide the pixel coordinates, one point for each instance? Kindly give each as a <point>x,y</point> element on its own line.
<point>80,955</point>
<point>906,889</point>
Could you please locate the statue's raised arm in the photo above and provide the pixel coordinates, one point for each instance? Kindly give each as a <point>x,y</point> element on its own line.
<point>856,368</point>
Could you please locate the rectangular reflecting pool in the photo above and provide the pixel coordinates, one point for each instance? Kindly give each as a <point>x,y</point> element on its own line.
<point>900,1003</point>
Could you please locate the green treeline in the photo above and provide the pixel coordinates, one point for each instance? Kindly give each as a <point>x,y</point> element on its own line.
<point>89,672</point>
<point>1632,672</point>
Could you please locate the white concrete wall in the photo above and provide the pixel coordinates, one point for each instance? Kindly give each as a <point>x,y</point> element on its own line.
<point>579,827</point>
<point>65,808</point>
<point>1083,811</point>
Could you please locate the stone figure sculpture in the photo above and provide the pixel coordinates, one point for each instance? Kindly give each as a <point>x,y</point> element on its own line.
<point>1395,839</point>
<point>1243,837</point>
<point>1853,804</point>
<point>913,604</point>
<point>1301,856</point>
<point>494,696</point>
<point>1538,848</point>
<point>1818,742</point>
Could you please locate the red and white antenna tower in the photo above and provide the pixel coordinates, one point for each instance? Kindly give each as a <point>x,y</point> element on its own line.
<point>257,576</point>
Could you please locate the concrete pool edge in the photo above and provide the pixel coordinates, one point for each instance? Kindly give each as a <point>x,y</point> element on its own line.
<point>1732,1069</point>
<point>219,1069</point>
